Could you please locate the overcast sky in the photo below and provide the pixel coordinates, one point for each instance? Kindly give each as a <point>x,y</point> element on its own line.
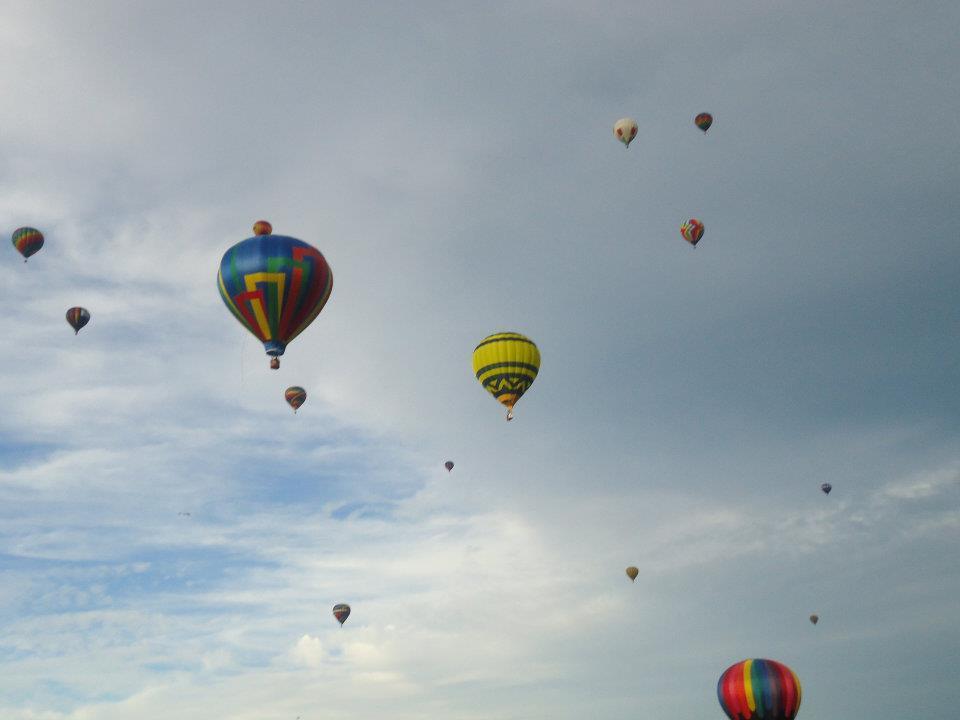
<point>456,165</point>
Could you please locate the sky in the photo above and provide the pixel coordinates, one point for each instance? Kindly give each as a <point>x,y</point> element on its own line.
<point>455,163</point>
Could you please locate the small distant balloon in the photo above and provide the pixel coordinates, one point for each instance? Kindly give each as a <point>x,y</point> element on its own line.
<point>341,611</point>
<point>826,487</point>
<point>27,241</point>
<point>262,227</point>
<point>759,690</point>
<point>625,130</point>
<point>703,121</point>
<point>295,396</point>
<point>632,573</point>
<point>448,465</point>
<point>77,317</point>
<point>692,231</point>
<point>814,618</point>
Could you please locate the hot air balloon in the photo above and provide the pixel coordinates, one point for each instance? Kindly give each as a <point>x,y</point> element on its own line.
<point>506,364</point>
<point>27,241</point>
<point>77,317</point>
<point>703,121</point>
<point>625,130</point>
<point>296,396</point>
<point>341,611</point>
<point>814,618</point>
<point>275,286</point>
<point>632,573</point>
<point>448,465</point>
<point>826,487</point>
<point>692,231</point>
<point>759,690</point>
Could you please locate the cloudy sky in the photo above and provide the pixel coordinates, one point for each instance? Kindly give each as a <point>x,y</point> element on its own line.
<point>455,164</point>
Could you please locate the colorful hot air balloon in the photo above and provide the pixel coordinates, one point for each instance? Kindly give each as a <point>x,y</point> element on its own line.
<point>692,231</point>
<point>262,227</point>
<point>632,573</point>
<point>341,611</point>
<point>506,364</point>
<point>703,121</point>
<point>27,241</point>
<point>448,465</point>
<point>275,286</point>
<point>77,317</point>
<point>814,618</point>
<point>625,130</point>
<point>826,487</point>
<point>296,396</point>
<point>759,690</point>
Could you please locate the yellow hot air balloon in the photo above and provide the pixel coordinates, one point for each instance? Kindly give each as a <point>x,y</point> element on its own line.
<point>506,364</point>
<point>632,573</point>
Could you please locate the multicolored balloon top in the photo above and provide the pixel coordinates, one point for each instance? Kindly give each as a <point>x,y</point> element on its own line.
<point>275,286</point>
<point>77,317</point>
<point>27,241</point>
<point>625,130</point>
<point>341,611</point>
<point>703,121</point>
<point>262,227</point>
<point>506,364</point>
<point>692,231</point>
<point>759,690</point>
<point>296,396</point>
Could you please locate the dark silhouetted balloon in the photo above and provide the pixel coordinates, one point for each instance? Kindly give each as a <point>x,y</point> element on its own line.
<point>448,465</point>
<point>703,121</point>
<point>77,317</point>
<point>341,611</point>
<point>826,487</point>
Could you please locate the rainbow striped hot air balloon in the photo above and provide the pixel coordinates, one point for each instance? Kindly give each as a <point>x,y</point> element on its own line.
<point>275,286</point>
<point>506,364</point>
<point>27,241</point>
<point>759,690</point>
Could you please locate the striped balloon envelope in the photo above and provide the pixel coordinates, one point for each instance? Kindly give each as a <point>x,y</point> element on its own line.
<point>341,611</point>
<point>275,286</point>
<point>506,364</point>
<point>692,231</point>
<point>295,396</point>
<point>759,690</point>
<point>27,241</point>
<point>78,317</point>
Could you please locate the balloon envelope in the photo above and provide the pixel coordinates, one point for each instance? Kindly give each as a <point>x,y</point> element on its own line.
<point>295,396</point>
<point>814,619</point>
<point>625,130</point>
<point>703,121</point>
<point>692,231</point>
<point>27,241</point>
<point>632,573</point>
<point>275,286</point>
<point>77,317</point>
<point>826,487</point>
<point>506,364</point>
<point>759,690</point>
<point>448,465</point>
<point>341,611</point>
